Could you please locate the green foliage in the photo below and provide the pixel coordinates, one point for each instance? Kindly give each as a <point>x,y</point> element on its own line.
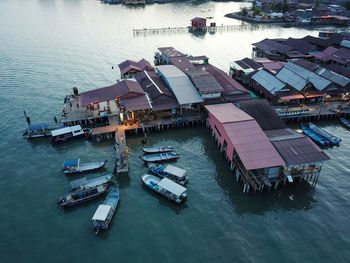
<point>243,12</point>
<point>317,3</point>
<point>279,7</point>
<point>256,11</point>
<point>347,5</point>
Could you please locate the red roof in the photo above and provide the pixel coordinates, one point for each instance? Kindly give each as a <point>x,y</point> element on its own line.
<point>136,103</point>
<point>197,19</point>
<point>115,91</point>
<point>252,145</point>
<point>227,112</point>
<point>128,65</point>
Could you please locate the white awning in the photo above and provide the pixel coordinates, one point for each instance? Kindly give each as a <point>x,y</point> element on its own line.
<point>102,212</point>
<point>176,171</point>
<point>171,186</point>
<point>65,130</point>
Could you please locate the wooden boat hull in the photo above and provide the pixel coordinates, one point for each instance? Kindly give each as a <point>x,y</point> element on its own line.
<point>158,150</point>
<point>345,122</point>
<point>82,169</point>
<point>163,175</point>
<point>154,189</point>
<point>112,200</point>
<point>72,138</point>
<point>320,140</point>
<point>333,139</point>
<point>66,204</point>
<point>159,158</point>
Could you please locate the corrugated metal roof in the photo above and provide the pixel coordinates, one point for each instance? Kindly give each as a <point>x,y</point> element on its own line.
<point>204,81</point>
<point>227,112</point>
<point>294,80</point>
<point>115,91</point>
<point>268,81</point>
<point>252,145</point>
<point>300,151</point>
<point>170,52</point>
<point>334,77</point>
<point>319,82</point>
<point>182,63</point>
<point>271,45</point>
<point>180,84</point>
<point>139,102</point>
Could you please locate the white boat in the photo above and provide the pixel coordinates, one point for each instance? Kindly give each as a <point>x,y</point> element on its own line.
<point>105,212</point>
<point>165,187</point>
<point>162,149</point>
<point>169,171</point>
<point>160,157</point>
<point>69,134</point>
<point>83,183</point>
<point>74,166</point>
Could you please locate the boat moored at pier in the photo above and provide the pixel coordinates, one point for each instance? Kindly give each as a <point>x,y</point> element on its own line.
<point>345,122</point>
<point>74,166</point>
<point>162,149</point>
<point>69,134</point>
<point>160,157</point>
<point>333,139</point>
<point>169,171</point>
<point>83,183</point>
<point>105,212</point>
<point>319,139</point>
<point>38,130</point>
<point>165,187</point>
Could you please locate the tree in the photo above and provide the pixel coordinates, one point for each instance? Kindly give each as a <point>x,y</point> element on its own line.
<point>317,3</point>
<point>244,11</point>
<point>347,5</point>
<point>256,11</point>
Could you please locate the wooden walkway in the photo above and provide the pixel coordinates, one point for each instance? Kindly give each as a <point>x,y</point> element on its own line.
<point>121,160</point>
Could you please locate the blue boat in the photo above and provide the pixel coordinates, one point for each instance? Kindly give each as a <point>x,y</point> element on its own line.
<point>38,130</point>
<point>333,139</point>
<point>105,212</point>
<point>319,139</point>
<point>169,171</point>
<point>81,195</point>
<point>345,122</point>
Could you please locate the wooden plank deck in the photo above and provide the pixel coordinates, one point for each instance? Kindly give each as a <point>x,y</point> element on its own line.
<point>121,161</point>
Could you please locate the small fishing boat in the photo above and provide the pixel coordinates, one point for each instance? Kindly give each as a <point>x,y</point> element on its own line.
<point>319,139</point>
<point>169,171</point>
<point>334,140</point>
<point>105,212</point>
<point>83,183</point>
<point>69,134</point>
<point>38,130</point>
<point>345,122</point>
<point>165,187</point>
<point>74,166</point>
<point>158,149</point>
<point>81,195</point>
<point>160,157</point>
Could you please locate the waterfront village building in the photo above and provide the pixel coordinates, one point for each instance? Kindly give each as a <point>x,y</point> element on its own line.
<point>198,22</point>
<point>261,150</point>
<point>129,68</point>
<point>126,98</point>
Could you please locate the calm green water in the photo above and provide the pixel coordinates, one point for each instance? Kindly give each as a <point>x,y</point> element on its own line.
<point>46,48</point>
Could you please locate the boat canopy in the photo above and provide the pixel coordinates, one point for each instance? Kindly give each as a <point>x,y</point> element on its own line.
<point>98,181</point>
<point>172,187</point>
<point>102,212</point>
<point>73,129</point>
<point>176,171</point>
<point>78,182</point>
<point>35,127</point>
<point>70,163</point>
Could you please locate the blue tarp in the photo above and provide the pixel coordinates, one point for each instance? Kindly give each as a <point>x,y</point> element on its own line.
<point>68,163</point>
<point>40,126</point>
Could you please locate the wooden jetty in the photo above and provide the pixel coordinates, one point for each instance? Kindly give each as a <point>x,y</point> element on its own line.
<point>210,29</point>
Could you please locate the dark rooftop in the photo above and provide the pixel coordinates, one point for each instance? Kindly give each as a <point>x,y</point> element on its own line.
<point>170,52</point>
<point>204,81</point>
<point>301,45</point>
<point>263,113</point>
<point>269,45</point>
<point>182,63</point>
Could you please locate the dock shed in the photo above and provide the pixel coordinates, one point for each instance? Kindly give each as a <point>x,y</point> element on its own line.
<point>198,22</point>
